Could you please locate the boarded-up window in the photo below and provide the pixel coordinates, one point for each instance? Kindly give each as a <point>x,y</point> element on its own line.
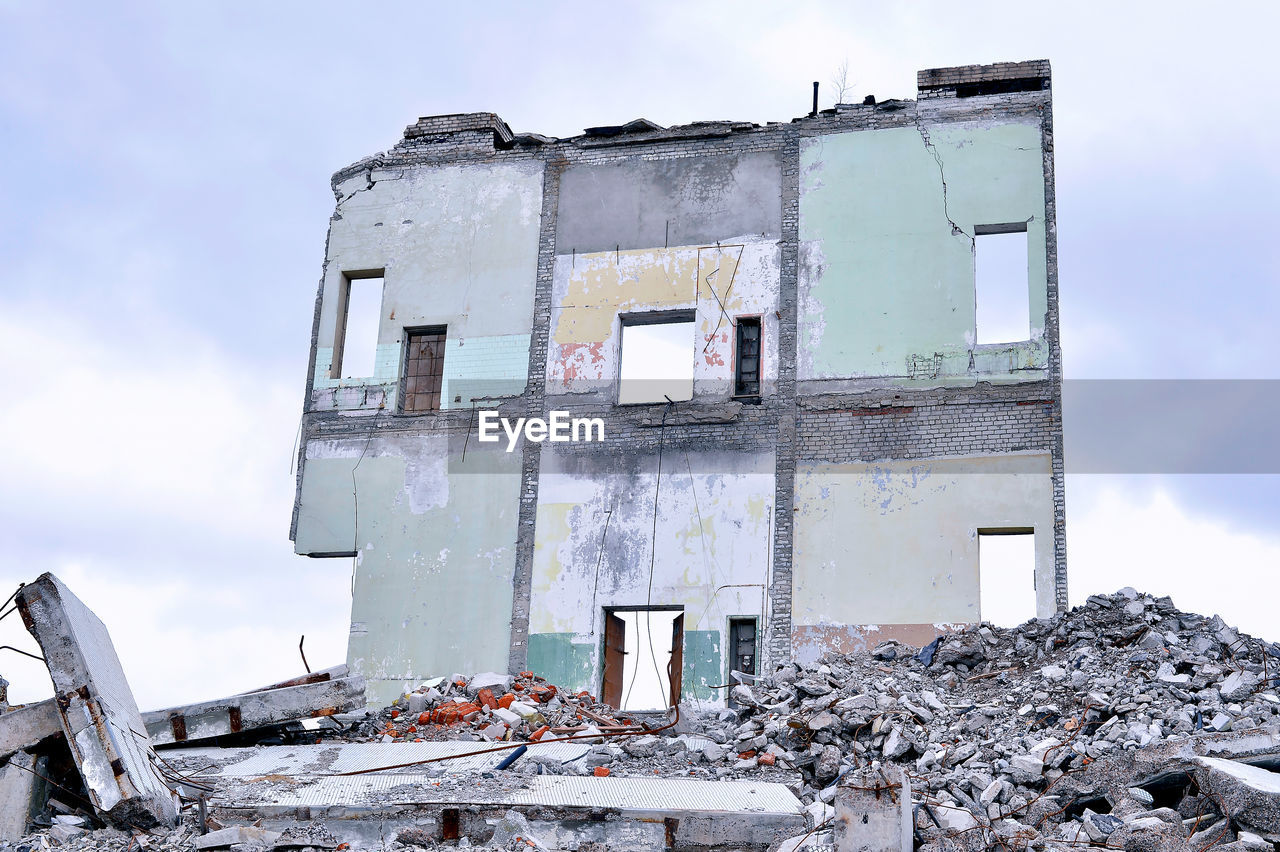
<point>747,378</point>
<point>423,368</point>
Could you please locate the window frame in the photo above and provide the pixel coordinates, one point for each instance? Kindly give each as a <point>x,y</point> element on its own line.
<point>339,342</point>
<point>758,321</point>
<point>402,388</point>
<point>660,317</point>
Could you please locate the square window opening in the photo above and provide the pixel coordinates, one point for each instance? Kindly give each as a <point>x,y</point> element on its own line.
<point>657,358</point>
<point>423,368</point>
<point>1002,283</point>
<point>1006,575</point>
<point>746,380</point>
<point>355,346</point>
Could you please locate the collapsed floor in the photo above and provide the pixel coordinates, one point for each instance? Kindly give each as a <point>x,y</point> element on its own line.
<point>1124,724</point>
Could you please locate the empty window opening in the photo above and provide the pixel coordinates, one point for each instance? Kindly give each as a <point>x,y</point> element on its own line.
<point>423,368</point>
<point>1006,576</point>
<point>643,658</point>
<point>742,648</point>
<point>1000,270</point>
<point>657,358</point>
<point>355,348</point>
<point>747,373</point>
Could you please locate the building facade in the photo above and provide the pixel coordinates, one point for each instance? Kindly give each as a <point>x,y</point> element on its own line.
<point>850,412</point>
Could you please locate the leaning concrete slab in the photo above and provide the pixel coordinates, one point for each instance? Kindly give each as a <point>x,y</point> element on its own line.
<point>23,727</point>
<point>100,717</point>
<point>309,697</point>
<point>254,710</point>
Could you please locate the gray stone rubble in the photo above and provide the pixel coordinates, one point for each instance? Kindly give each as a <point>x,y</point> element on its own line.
<point>1122,724</point>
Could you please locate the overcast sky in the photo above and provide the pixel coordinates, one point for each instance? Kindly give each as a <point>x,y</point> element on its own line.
<point>166,195</point>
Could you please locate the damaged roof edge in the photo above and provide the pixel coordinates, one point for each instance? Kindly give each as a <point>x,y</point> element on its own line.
<point>486,131</point>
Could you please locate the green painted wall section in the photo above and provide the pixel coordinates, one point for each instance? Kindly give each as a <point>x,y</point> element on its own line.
<point>908,552</point>
<point>562,660</point>
<point>458,246</point>
<point>436,544</point>
<point>702,665</point>
<point>886,281</point>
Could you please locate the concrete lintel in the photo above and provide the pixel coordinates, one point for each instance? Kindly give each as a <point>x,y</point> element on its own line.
<point>25,726</point>
<point>99,715</point>
<point>254,710</point>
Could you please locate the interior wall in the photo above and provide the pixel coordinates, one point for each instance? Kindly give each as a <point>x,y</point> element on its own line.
<point>891,548</point>
<point>459,246</point>
<point>433,584</point>
<point>590,292</point>
<point>594,541</point>
<point>886,274</point>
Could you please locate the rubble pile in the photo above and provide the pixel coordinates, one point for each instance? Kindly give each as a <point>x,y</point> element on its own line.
<point>1122,724</point>
<point>491,707</point>
<point>994,726</point>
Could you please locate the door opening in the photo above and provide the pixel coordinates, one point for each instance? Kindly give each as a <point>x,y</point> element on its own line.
<point>1006,575</point>
<point>643,657</point>
<point>742,649</point>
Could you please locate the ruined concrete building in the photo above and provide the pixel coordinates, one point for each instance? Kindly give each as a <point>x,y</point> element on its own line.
<point>852,407</point>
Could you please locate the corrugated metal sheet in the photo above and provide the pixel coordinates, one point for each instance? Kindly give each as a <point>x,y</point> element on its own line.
<point>627,795</point>
<point>357,757</point>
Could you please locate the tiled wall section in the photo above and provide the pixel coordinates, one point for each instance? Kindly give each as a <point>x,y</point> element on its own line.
<point>376,391</point>
<point>484,367</point>
<point>474,367</point>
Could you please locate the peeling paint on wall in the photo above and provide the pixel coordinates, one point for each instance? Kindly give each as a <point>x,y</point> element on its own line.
<point>427,575</point>
<point>458,244</point>
<point>737,278</point>
<point>712,555</point>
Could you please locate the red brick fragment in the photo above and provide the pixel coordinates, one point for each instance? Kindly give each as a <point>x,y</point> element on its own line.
<point>601,772</point>
<point>767,759</point>
<point>485,697</point>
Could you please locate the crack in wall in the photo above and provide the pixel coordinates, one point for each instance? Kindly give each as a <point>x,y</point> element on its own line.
<point>942,176</point>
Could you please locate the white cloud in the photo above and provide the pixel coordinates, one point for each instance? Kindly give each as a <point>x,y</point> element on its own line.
<point>1147,539</point>
<point>152,476</point>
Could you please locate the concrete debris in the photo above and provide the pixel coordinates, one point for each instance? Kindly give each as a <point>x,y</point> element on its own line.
<point>100,718</point>
<point>1000,730</point>
<point>90,745</point>
<point>254,710</point>
<point>23,727</point>
<point>1124,724</point>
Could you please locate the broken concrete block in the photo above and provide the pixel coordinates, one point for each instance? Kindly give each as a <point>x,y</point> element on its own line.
<point>224,837</point>
<point>17,789</point>
<point>873,811</point>
<point>1249,794</point>
<point>99,715</point>
<point>254,710</point>
<point>499,683</point>
<point>26,726</point>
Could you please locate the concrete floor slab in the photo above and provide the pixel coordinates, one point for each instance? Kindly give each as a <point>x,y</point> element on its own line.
<point>654,813</point>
